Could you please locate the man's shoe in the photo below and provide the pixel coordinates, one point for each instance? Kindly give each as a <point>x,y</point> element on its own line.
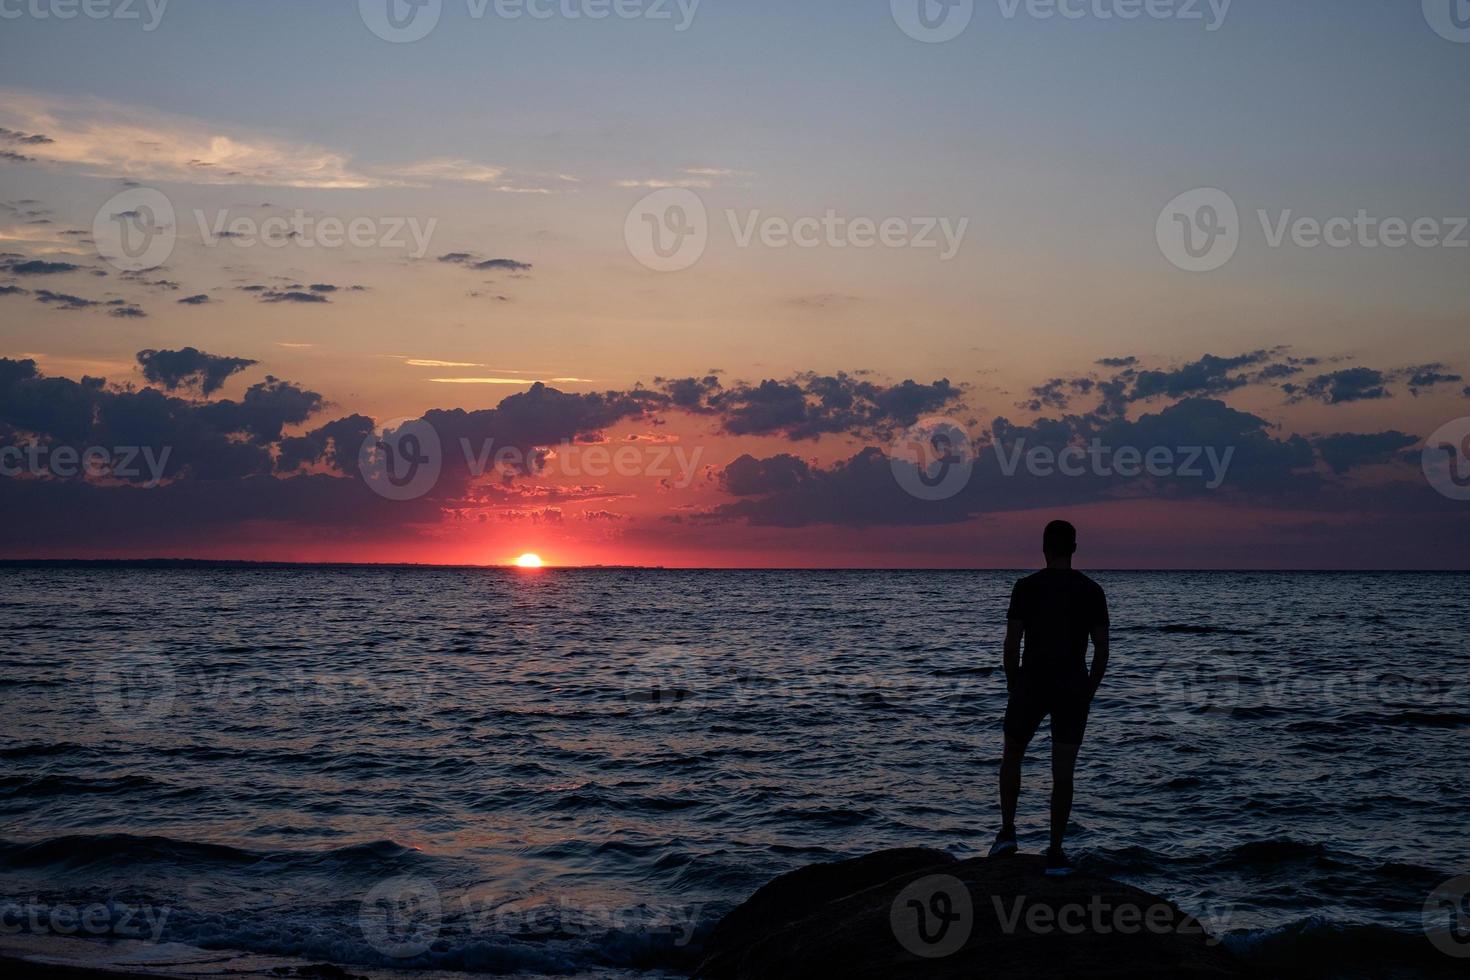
<point>1005,844</point>
<point>1057,864</point>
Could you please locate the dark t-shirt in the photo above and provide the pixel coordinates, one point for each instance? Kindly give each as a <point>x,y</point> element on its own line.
<point>1059,608</point>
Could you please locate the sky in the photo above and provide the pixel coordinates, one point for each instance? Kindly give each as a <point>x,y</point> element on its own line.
<point>716,275</point>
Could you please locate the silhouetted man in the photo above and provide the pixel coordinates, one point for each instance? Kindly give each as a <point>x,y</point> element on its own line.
<point>1056,611</point>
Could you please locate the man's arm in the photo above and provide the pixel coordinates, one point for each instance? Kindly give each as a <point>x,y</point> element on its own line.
<point>1014,629</point>
<point>1099,655</point>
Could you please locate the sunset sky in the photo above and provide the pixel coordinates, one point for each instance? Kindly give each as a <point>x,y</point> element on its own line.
<point>496,170</point>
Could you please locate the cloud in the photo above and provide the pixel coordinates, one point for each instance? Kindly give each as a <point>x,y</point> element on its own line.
<point>291,296</point>
<point>862,490</point>
<point>1339,387</point>
<point>810,405</point>
<point>111,139</point>
<point>65,301</point>
<point>1118,362</point>
<point>336,442</point>
<point>190,368</point>
<point>128,312</point>
<point>1210,375</point>
<point>25,139</point>
<point>197,300</point>
<point>472,261</point>
<point>695,178</point>
<point>38,267</point>
<point>1429,375</point>
<point>13,291</point>
<point>452,170</point>
<point>1348,450</point>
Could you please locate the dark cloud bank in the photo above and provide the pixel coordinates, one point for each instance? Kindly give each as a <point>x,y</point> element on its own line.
<point>275,454</point>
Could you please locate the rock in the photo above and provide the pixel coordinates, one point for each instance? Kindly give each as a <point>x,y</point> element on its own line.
<point>921,913</point>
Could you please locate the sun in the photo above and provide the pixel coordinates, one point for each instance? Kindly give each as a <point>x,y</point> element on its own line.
<point>529,560</point>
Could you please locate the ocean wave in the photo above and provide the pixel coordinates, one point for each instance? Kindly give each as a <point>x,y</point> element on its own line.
<point>1316,947</point>
<point>92,852</point>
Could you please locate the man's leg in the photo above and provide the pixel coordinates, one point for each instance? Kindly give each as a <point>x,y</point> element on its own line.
<point>1063,765</point>
<point>1010,783</point>
<point>1024,714</point>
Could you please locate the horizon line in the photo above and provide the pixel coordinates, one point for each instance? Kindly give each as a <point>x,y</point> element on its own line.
<point>429,566</point>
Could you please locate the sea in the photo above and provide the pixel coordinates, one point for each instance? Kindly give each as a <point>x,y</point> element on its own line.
<point>569,771</point>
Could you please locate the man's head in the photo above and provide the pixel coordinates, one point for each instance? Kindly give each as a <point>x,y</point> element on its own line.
<point>1059,540</point>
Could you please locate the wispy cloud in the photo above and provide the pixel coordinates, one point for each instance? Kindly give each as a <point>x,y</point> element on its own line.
<point>507,381</point>
<point>111,139</point>
<point>114,140</point>
<point>452,170</point>
<point>694,178</point>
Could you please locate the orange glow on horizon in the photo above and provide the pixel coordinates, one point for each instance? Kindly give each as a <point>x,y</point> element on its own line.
<point>528,560</point>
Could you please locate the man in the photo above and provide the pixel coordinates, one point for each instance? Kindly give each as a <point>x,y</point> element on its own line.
<point>1057,611</point>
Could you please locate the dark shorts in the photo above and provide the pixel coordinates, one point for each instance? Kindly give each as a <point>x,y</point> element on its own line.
<point>1066,702</point>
